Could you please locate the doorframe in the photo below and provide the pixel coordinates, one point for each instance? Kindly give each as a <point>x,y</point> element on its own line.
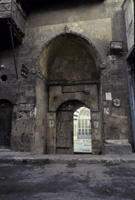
<point>96,125</point>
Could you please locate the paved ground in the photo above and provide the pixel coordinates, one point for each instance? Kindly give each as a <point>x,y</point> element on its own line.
<point>25,176</point>
<point>82,145</point>
<point>67,181</point>
<point>7,156</point>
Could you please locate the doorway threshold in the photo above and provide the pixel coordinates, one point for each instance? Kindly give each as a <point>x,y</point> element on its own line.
<point>83,153</point>
<point>5,148</point>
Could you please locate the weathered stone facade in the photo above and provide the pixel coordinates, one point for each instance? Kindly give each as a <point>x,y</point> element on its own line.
<point>65,49</point>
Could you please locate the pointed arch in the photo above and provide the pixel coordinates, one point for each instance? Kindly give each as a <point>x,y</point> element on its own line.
<point>68,70</point>
<point>69,54</point>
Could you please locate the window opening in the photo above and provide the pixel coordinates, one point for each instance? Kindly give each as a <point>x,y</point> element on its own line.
<point>4,78</point>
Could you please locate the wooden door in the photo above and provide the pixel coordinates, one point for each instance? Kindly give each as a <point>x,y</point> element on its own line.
<point>5,122</point>
<point>64,132</point>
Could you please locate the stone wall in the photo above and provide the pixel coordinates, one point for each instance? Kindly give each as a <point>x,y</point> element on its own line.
<point>98,23</point>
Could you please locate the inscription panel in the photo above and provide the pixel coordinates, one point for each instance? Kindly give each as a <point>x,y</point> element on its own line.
<point>88,95</point>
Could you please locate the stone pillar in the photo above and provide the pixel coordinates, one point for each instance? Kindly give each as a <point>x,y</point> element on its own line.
<point>96,133</point>
<point>51,133</point>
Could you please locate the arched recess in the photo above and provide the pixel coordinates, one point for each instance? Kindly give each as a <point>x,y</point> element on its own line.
<point>6,109</point>
<point>69,58</point>
<point>68,69</point>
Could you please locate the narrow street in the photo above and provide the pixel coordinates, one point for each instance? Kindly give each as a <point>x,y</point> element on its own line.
<point>67,181</point>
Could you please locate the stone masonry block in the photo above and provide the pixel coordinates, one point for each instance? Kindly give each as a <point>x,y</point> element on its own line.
<point>117,149</point>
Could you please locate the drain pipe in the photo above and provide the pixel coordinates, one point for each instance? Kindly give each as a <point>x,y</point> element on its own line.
<point>13,49</point>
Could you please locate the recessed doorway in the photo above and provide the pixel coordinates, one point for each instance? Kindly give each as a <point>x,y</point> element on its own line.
<point>70,67</point>
<point>6,109</point>
<point>73,130</point>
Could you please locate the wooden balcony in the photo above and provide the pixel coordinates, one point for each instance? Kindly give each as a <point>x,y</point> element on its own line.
<point>11,17</point>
